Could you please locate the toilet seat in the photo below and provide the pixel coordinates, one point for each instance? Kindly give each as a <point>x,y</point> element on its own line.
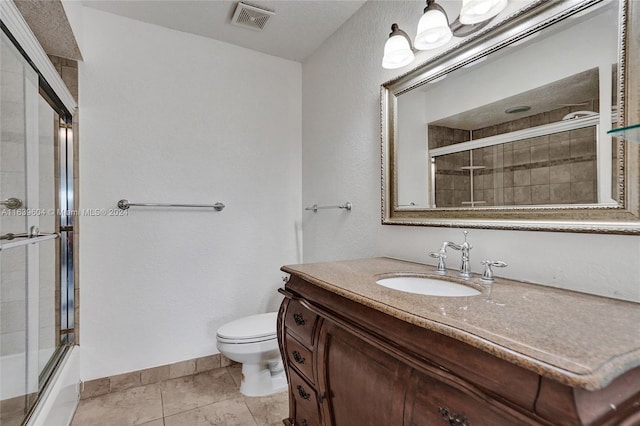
<point>246,341</point>
<point>252,329</point>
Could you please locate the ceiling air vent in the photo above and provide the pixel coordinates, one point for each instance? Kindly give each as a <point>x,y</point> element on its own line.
<point>253,17</point>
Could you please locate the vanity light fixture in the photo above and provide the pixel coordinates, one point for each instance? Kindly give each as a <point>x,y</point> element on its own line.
<point>398,50</point>
<point>434,29</point>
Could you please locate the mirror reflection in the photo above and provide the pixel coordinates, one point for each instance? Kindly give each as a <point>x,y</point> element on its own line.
<point>525,127</point>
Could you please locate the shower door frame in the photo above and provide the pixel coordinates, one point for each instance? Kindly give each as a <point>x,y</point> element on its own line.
<point>57,95</point>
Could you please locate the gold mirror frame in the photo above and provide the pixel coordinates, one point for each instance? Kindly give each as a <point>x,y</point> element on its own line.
<point>621,219</point>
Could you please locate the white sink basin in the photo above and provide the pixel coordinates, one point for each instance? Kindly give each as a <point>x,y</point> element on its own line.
<point>428,286</point>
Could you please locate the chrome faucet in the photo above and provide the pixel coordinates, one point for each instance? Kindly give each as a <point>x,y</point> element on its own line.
<point>464,248</point>
<point>487,275</point>
<point>441,255</point>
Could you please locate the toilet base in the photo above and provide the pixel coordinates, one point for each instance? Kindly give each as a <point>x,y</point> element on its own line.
<point>260,380</point>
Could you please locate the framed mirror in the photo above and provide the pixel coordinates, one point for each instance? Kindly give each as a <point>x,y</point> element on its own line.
<point>508,129</point>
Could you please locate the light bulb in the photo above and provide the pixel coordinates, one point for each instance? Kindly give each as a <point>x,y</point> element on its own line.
<point>481,8</point>
<point>397,52</point>
<point>475,11</point>
<point>433,30</point>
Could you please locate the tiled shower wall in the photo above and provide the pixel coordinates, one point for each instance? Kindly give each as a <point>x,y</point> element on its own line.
<point>555,169</point>
<point>452,183</point>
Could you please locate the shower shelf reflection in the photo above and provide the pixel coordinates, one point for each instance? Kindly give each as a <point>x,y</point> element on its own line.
<point>628,133</point>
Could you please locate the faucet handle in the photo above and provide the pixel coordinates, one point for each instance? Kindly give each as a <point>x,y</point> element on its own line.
<point>487,275</point>
<point>469,246</point>
<point>441,256</point>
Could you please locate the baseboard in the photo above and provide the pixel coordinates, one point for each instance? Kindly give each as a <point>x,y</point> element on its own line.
<point>147,376</point>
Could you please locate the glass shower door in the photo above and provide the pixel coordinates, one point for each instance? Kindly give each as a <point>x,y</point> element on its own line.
<point>15,81</point>
<point>29,249</point>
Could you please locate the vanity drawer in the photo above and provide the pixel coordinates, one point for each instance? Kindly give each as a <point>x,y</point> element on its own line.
<point>306,419</point>
<point>300,357</point>
<point>300,321</point>
<point>305,397</point>
<point>431,401</point>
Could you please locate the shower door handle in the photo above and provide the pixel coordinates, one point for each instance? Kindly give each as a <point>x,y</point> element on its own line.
<point>12,203</point>
<point>23,240</point>
<point>34,231</point>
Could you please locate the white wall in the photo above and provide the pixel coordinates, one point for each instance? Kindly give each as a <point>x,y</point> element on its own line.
<point>175,118</point>
<point>341,160</point>
<point>412,154</point>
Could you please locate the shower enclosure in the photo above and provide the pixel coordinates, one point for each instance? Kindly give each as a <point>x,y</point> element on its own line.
<point>36,233</point>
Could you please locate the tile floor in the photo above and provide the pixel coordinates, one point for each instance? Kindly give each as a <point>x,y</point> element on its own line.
<point>208,398</point>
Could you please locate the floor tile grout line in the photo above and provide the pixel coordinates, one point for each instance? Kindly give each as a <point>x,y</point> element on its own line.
<point>229,397</point>
<point>229,376</point>
<point>206,405</point>
<point>162,405</point>
<point>217,402</point>
<point>244,401</point>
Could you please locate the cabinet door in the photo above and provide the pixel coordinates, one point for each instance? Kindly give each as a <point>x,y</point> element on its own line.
<point>361,385</point>
<point>432,401</point>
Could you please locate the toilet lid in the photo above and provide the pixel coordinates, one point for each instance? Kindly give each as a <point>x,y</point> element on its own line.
<point>253,327</point>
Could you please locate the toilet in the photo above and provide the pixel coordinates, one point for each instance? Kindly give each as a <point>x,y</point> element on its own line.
<point>252,342</point>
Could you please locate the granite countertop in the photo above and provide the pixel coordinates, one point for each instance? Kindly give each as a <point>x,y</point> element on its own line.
<point>577,339</point>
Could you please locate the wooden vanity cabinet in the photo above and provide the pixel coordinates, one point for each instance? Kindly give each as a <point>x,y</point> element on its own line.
<point>297,336</point>
<point>351,365</point>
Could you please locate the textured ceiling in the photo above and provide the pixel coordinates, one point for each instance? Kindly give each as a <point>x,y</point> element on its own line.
<point>296,30</point>
<point>48,21</point>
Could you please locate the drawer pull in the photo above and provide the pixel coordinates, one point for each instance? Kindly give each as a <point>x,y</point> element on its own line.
<point>304,422</point>
<point>453,420</point>
<point>299,319</point>
<point>298,358</point>
<point>302,393</point>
